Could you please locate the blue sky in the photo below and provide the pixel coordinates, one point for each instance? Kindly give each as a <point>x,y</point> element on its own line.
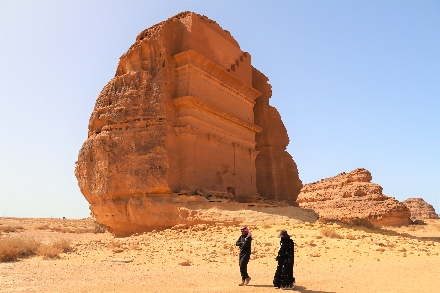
<point>357,84</point>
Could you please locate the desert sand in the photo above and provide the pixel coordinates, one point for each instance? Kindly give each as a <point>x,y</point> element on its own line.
<point>203,258</point>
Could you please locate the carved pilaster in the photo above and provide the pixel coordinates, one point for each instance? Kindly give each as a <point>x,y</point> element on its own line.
<point>213,140</point>
<point>253,153</point>
<point>186,139</point>
<point>237,148</point>
<point>186,132</point>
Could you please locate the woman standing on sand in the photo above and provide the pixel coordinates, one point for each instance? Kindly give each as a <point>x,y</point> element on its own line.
<point>244,242</point>
<point>284,274</point>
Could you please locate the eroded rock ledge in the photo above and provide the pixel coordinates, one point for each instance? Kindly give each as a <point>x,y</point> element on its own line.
<point>159,212</point>
<point>350,196</point>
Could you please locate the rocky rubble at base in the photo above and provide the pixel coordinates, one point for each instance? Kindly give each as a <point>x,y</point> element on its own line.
<point>149,213</point>
<point>352,196</point>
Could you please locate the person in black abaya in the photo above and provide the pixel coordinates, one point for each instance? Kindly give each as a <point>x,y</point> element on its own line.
<point>284,274</point>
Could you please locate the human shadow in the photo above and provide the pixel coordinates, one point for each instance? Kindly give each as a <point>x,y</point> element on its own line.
<point>305,290</point>
<point>297,289</point>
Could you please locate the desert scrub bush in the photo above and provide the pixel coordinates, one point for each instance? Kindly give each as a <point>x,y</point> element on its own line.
<point>94,228</point>
<point>83,230</point>
<point>330,232</point>
<point>63,244</point>
<point>415,227</point>
<point>13,248</point>
<point>47,251</point>
<point>60,229</point>
<point>66,230</point>
<point>7,229</point>
<point>53,250</point>
<point>362,222</point>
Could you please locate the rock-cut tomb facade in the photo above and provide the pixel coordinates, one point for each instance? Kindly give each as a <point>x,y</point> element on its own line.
<point>186,110</point>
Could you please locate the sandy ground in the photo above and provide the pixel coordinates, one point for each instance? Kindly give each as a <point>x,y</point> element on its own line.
<point>204,258</point>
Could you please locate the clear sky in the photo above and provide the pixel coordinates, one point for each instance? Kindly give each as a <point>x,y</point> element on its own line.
<point>357,84</point>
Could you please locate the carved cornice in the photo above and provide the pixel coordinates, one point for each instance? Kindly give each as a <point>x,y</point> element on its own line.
<point>225,78</point>
<point>200,105</point>
<point>187,132</point>
<point>195,71</point>
<point>206,127</point>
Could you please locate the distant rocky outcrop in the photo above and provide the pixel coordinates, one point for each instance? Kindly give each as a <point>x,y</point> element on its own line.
<point>420,209</point>
<point>352,196</point>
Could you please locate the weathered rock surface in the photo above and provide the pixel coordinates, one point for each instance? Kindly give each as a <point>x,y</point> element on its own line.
<point>277,173</point>
<point>350,196</point>
<point>164,212</point>
<point>420,209</point>
<point>186,110</point>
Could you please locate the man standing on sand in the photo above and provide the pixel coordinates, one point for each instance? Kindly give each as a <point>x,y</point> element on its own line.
<point>244,242</point>
<point>284,274</point>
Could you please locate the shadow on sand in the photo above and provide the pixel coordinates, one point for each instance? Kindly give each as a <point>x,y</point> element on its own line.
<point>297,289</point>
<point>305,290</point>
<point>389,232</point>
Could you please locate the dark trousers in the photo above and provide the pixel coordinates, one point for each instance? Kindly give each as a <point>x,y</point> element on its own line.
<point>243,262</point>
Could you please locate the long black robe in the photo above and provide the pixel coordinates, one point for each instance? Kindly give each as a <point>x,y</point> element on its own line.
<point>284,273</point>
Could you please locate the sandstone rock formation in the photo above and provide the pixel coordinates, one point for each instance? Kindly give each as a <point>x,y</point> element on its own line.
<point>420,209</point>
<point>186,110</point>
<point>277,173</point>
<point>352,196</point>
